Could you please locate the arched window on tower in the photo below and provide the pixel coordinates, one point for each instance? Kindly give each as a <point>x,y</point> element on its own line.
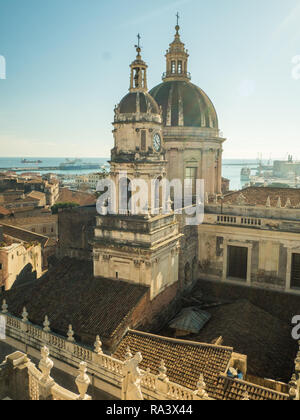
<point>173,67</point>
<point>124,196</point>
<point>179,67</point>
<point>137,78</point>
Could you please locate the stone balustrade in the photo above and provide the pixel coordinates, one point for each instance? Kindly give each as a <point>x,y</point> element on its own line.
<point>43,387</point>
<point>107,372</point>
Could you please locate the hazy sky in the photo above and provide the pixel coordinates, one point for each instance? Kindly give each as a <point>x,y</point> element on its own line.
<point>68,65</point>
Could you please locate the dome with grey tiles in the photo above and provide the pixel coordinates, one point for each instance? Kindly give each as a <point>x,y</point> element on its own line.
<point>138,102</point>
<point>184,104</point>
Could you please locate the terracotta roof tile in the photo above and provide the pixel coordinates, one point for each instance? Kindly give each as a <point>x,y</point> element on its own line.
<point>259,196</point>
<point>69,294</point>
<point>79,197</point>
<point>4,211</point>
<point>234,389</point>
<point>24,235</point>
<point>254,322</point>
<point>185,361</point>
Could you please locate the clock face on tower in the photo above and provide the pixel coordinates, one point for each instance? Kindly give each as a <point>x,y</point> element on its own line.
<point>157,142</point>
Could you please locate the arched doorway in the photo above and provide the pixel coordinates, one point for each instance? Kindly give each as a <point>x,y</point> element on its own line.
<point>124,195</point>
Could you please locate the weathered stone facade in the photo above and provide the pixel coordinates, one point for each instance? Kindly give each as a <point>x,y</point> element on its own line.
<point>269,236</point>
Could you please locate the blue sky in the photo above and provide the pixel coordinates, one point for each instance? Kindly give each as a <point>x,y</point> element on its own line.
<point>68,65</point>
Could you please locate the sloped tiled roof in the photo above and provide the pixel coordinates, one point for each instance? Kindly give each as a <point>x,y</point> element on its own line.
<point>24,235</point>
<point>78,197</point>
<point>34,220</point>
<point>4,211</point>
<point>234,389</point>
<point>69,294</point>
<point>185,361</point>
<point>37,195</point>
<point>250,330</point>
<point>259,195</point>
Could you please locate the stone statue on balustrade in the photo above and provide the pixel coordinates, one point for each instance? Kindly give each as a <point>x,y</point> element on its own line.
<point>131,386</point>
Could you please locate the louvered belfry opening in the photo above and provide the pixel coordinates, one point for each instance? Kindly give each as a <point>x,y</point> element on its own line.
<point>237,262</point>
<point>295,279</point>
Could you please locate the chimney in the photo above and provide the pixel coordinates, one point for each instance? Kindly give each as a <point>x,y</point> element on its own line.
<point>1,234</point>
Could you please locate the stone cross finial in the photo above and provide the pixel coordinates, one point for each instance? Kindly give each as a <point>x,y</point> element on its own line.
<point>169,205</point>
<point>246,396</point>
<point>46,324</point>
<point>45,365</point>
<point>24,315</point>
<point>279,204</point>
<point>162,371</point>
<point>288,204</point>
<point>4,307</point>
<point>268,203</point>
<point>98,345</point>
<point>201,387</point>
<point>82,381</point>
<point>128,354</point>
<point>241,201</point>
<point>70,334</point>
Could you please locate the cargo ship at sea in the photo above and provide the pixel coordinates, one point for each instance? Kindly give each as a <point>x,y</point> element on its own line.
<point>245,174</point>
<point>36,162</point>
<point>77,165</point>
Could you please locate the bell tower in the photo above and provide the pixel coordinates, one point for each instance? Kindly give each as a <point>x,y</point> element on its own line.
<point>138,78</point>
<point>138,243</point>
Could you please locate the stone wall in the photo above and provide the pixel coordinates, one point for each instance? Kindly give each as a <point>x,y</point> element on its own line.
<point>153,315</point>
<point>189,253</point>
<point>76,232</point>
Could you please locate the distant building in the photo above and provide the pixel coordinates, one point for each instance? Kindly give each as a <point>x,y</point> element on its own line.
<point>46,225</point>
<point>27,184</point>
<point>79,197</point>
<point>19,260</point>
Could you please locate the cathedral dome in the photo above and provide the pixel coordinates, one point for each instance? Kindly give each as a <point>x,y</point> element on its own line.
<point>138,102</point>
<point>184,104</point>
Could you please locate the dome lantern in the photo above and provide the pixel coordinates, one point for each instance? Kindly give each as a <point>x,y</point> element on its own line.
<point>138,78</point>
<point>177,59</point>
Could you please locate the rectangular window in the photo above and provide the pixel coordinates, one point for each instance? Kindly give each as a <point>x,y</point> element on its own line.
<point>0,266</point>
<point>143,140</point>
<point>295,275</point>
<point>237,262</point>
<point>191,175</point>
